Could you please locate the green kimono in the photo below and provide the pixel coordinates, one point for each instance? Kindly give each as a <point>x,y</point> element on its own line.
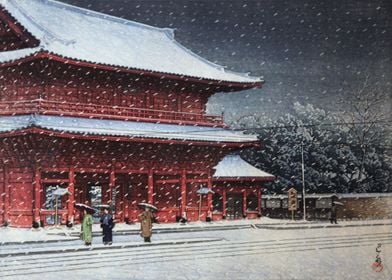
<point>87,230</point>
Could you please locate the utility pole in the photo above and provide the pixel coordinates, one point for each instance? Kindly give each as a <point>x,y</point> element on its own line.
<point>303,180</point>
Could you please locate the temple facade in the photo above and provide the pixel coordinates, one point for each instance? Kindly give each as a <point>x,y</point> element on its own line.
<point>113,112</point>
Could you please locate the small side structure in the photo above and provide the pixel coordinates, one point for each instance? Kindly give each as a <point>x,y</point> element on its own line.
<point>238,189</point>
<point>318,206</point>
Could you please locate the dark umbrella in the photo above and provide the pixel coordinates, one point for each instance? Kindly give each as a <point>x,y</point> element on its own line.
<point>82,207</point>
<point>144,205</point>
<point>104,206</point>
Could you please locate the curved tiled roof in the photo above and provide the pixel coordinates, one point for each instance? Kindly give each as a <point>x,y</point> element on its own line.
<point>85,35</point>
<point>131,129</point>
<point>233,166</point>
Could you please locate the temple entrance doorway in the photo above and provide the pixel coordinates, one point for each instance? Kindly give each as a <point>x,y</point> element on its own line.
<point>234,206</point>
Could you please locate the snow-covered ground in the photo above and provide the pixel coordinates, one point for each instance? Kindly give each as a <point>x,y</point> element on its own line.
<point>9,234</point>
<point>247,253</point>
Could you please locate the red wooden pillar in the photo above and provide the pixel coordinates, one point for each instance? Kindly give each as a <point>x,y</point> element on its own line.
<point>150,191</point>
<point>259,199</point>
<point>71,195</point>
<point>119,202</point>
<point>125,191</point>
<point>183,193</point>
<point>209,196</point>
<point>37,195</point>
<point>224,213</point>
<point>2,199</point>
<point>6,194</point>
<point>112,185</point>
<point>244,203</point>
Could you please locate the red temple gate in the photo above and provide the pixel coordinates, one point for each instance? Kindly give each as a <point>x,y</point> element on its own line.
<point>109,130</point>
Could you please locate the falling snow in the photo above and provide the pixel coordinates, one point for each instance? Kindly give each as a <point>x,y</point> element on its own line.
<point>209,110</point>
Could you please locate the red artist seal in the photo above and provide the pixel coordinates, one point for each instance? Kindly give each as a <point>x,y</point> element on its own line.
<point>377,265</point>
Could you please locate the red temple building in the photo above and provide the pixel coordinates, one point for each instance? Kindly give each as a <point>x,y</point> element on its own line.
<point>114,111</point>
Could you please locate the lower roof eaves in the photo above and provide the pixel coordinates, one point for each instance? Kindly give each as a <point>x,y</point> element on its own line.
<point>128,129</point>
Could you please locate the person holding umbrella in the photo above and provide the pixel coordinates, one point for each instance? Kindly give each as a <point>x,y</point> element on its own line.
<point>146,219</point>
<point>87,228</point>
<point>107,226</point>
<point>86,231</point>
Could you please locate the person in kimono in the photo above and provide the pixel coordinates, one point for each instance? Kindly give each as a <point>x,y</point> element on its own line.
<point>87,228</point>
<point>146,219</point>
<point>333,214</point>
<point>107,225</point>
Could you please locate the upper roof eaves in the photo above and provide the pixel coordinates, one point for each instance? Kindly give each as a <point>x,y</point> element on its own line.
<point>85,35</point>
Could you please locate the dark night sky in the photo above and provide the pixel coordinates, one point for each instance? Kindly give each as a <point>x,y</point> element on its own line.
<point>307,51</point>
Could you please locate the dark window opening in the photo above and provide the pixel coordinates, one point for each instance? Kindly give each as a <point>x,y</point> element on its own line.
<point>217,202</point>
<point>251,201</point>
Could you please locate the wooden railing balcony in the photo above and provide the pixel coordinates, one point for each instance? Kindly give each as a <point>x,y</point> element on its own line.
<point>46,107</point>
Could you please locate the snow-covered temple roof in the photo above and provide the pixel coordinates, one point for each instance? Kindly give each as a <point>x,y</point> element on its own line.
<point>76,33</point>
<point>124,128</point>
<point>233,166</point>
